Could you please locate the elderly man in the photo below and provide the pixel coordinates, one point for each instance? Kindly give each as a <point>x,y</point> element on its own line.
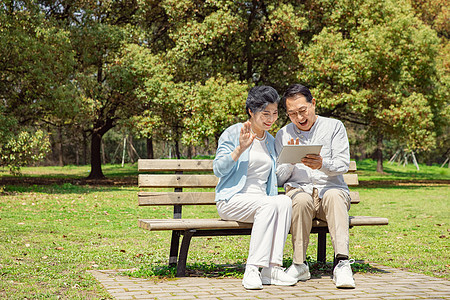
<point>316,185</point>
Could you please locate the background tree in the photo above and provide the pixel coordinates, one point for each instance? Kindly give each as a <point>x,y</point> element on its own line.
<point>98,32</point>
<point>35,78</point>
<point>178,71</point>
<point>212,53</point>
<point>435,13</point>
<point>373,63</point>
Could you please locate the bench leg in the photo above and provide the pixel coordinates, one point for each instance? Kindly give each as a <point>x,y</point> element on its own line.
<point>322,246</point>
<point>181,267</point>
<point>174,244</point>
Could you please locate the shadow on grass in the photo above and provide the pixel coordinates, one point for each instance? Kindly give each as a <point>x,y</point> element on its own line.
<point>64,188</point>
<point>236,270</point>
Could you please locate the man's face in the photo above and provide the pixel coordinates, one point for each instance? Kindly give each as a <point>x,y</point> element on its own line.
<point>301,112</point>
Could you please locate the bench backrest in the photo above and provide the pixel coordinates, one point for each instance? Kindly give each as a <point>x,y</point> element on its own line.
<point>192,174</point>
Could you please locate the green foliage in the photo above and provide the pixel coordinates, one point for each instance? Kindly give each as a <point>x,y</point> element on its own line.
<point>376,66</point>
<point>20,148</point>
<point>37,65</point>
<point>177,71</point>
<point>211,108</point>
<point>23,149</point>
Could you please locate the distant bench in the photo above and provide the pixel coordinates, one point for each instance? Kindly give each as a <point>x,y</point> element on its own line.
<point>194,174</point>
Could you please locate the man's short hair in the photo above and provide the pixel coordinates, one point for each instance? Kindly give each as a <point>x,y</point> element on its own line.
<point>294,90</point>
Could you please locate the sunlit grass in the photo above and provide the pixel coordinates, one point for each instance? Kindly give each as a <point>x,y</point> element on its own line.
<point>50,235</point>
<point>366,170</point>
<point>394,171</point>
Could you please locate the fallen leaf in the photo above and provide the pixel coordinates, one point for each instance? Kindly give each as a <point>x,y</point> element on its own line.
<point>59,248</point>
<point>123,251</point>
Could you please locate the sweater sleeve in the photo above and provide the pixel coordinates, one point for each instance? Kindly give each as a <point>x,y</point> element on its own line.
<point>284,171</point>
<point>223,162</point>
<point>339,161</point>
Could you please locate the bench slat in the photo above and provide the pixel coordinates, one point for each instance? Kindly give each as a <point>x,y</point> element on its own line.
<point>177,181</point>
<point>192,198</point>
<point>172,198</point>
<point>185,224</point>
<point>351,179</point>
<point>199,181</point>
<point>156,165</point>
<point>160,165</point>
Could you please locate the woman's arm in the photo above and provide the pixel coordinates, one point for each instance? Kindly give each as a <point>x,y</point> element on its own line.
<point>228,151</point>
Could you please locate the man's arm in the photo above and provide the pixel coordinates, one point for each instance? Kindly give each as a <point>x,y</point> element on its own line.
<point>284,171</point>
<point>339,161</point>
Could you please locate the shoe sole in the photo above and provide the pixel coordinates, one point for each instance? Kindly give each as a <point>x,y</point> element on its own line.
<point>267,281</point>
<point>344,285</point>
<point>304,278</point>
<point>253,287</point>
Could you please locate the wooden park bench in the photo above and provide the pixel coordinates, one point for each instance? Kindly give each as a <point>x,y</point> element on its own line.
<point>195,174</point>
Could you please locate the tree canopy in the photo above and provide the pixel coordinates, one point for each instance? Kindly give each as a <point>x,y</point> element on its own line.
<point>179,70</point>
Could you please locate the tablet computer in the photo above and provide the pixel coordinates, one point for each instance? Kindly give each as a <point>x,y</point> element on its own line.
<point>293,154</point>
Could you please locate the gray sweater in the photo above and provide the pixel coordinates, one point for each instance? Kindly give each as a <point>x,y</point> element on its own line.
<point>335,154</point>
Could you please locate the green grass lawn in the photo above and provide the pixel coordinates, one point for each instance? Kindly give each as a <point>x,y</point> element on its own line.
<point>50,235</point>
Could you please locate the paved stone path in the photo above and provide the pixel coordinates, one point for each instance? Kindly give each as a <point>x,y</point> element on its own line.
<point>389,284</point>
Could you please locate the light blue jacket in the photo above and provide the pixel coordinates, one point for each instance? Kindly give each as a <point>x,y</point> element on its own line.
<point>233,174</point>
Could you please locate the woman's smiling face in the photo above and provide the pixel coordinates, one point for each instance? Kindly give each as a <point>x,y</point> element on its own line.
<point>301,112</point>
<point>263,120</point>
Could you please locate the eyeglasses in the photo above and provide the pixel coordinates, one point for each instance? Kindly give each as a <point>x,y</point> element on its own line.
<point>301,112</point>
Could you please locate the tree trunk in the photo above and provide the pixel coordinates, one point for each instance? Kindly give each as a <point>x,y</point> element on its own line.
<point>96,141</point>
<point>177,149</point>
<point>84,148</point>
<point>150,153</point>
<point>96,161</point>
<point>60,148</point>
<point>103,152</point>
<point>379,153</point>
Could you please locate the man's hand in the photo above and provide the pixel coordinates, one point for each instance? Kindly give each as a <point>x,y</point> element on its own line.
<point>292,142</point>
<point>314,161</point>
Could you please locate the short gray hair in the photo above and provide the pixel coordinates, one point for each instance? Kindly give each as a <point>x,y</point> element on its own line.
<point>259,97</point>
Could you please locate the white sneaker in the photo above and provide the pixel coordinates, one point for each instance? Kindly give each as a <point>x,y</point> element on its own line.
<point>342,274</point>
<point>252,278</point>
<point>276,276</point>
<point>299,272</point>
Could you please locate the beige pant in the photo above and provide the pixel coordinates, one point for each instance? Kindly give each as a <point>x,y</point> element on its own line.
<point>332,208</point>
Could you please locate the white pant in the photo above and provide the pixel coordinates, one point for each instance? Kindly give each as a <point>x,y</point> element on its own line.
<point>271,218</point>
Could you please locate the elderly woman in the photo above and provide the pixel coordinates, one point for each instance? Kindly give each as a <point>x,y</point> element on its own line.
<point>247,190</point>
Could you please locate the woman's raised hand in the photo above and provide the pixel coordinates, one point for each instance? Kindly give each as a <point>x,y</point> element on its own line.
<point>247,136</point>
